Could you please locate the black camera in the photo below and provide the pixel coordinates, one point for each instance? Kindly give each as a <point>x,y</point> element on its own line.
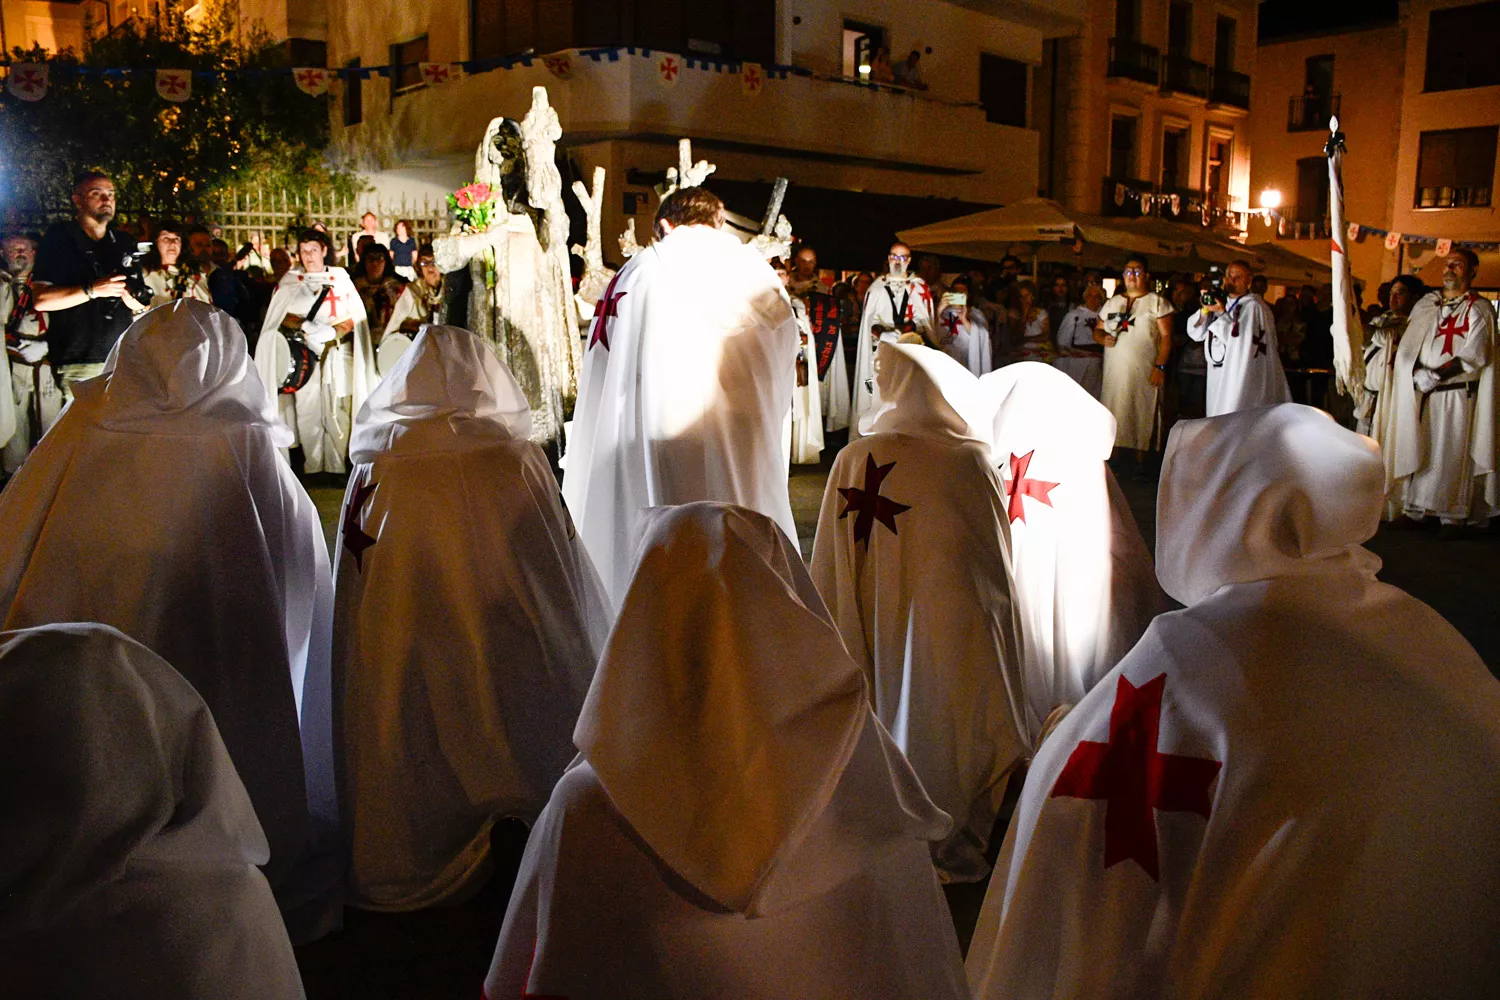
<point>1212,296</point>
<point>135,277</point>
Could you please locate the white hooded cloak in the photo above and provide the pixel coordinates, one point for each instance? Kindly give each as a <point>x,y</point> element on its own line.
<point>1285,790</point>
<point>158,505</point>
<point>888,306</point>
<point>320,413</point>
<point>686,389</point>
<point>912,556</point>
<point>127,867</point>
<point>739,824</point>
<point>1085,588</point>
<point>468,623</point>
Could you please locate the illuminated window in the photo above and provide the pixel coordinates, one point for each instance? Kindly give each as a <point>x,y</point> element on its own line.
<point>1456,168</point>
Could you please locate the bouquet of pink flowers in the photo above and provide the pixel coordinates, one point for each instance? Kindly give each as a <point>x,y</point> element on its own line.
<point>473,207</point>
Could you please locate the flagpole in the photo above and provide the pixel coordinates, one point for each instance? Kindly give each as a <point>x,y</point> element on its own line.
<point>1348,333</point>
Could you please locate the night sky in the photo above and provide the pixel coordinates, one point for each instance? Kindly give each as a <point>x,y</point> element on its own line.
<point>1284,18</point>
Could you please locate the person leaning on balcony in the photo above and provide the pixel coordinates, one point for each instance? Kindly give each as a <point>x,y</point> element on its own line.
<point>880,67</point>
<point>908,73</point>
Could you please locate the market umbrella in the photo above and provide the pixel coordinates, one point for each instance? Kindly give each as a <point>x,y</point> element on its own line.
<point>1038,223</point>
<point>1283,267</point>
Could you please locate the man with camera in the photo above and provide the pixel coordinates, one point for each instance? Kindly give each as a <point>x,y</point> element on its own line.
<point>1238,334</point>
<point>85,278</point>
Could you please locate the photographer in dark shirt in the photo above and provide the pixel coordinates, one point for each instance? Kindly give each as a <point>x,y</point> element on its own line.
<point>80,281</point>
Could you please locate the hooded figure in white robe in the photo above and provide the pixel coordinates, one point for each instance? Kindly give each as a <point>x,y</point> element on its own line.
<point>468,623</point>
<point>320,413</point>
<point>912,556</point>
<point>1244,368</point>
<point>127,868</point>
<point>1085,588</point>
<point>896,303</point>
<point>1445,460</point>
<point>1288,788</point>
<point>738,823</point>
<point>158,505</point>
<point>686,388</point>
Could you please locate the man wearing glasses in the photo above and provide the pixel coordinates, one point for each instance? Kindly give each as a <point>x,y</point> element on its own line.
<point>1238,334</point>
<point>1135,329</point>
<point>897,303</point>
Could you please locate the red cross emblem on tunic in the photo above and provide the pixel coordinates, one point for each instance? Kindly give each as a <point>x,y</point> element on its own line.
<point>1019,487</point>
<point>1449,329</point>
<point>950,320</point>
<point>609,308</point>
<point>1133,777</point>
<point>333,301</point>
<point>868,505</point>
<point>355,539</point>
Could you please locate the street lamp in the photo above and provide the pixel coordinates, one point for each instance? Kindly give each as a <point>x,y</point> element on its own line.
<point>1270,198</point>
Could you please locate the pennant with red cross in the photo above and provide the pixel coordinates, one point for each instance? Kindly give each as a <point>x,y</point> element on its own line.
<point>752,78</point>
<point>312,80</point>
<point>435,74</point>
<point>668,69</point>
<point>175,85</point>
<point>559,64</point>
<point>28,81</point>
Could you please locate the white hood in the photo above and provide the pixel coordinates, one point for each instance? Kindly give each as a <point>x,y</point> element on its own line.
<point>1261,493</point>
<point>926,393</point>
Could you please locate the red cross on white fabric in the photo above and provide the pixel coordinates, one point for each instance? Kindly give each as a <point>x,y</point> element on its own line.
<point>310,77</point>
<point>1019,487</point>
<point>172,84</point>
<point>669,68</point>
<point>1134,778</point>
<point>333,301</point>
<point>609,308</point>
<point>950,320</point>
<point>1449,328</point>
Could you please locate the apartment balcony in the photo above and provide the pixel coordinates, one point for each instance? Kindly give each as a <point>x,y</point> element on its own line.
<point>1130,207</point>
<point>1311,114</point>
<point>1230,90</point>
<point>1291,229</point>
<point>1186,77</point>
<point>1132,60</point>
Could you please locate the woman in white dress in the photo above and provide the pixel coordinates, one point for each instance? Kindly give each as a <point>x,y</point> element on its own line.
<point>1030,320</point>
<point>1136,332</point>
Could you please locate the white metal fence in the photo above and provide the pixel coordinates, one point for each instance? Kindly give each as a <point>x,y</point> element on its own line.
<point>275,217</point>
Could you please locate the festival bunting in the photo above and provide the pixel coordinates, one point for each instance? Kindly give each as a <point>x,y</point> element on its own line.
<point>1444,247</point>
<point>175,85</point>
<point>28,81</point>
<point>559,64</point>
<point>1392,240</point>
<point>312,80</point>
<point>752,78</point>
<point>437,74</point>
<point>668,69</point>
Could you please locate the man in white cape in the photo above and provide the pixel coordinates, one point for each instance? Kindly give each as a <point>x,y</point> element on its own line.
<point>825,316</point>
<point>318,304</point>
<point>1085,587</point>
<point>1288,788</point>
<point>912,556</point>
<point>128,865</point>
<point>738,823</point>
<point>1445,449</point>
<point>686,386</point>
<point>805,435</point>
<point>1239,340</point>
<point>158,505</point>
<point>468,622</point>
<point>898,302</point>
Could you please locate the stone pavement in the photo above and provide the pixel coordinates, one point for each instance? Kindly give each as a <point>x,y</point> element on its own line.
<point>445,953</point>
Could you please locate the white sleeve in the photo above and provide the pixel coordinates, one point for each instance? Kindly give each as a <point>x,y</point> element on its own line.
<point>1200,324</point>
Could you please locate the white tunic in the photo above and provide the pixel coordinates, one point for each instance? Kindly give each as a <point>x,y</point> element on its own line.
<point>166,286</point>
<point>468,623</point>
<point>1244,369</point>
<point>1445,458</point>
<point>1079,355</point>
<point>912,556</point>
<point>319,413</point>
<point>129,866</point>
<point>686,388</point>
<point>738,823</point>
<point>807,409</point>
<point>966,341</point>
<point>1285,790</point>
<point>225,573</point>
<point>1127,390</point>
<point>890,304</point>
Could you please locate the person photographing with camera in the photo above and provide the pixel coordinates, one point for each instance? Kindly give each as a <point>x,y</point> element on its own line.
<point>1238,334</point>
<point>83,281</point>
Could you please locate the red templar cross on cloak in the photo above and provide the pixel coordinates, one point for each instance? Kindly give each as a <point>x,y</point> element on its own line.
<point>609,308</point>
<point>950,320</point>
<point>1134,777</point>
<point>1019,487</point>
<point>1449,330</point>
<point>355,539</point>
<point>867,503</point>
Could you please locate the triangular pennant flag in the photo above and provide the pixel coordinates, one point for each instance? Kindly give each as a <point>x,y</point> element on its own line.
<point>560,64</point>
<point>1392,240</point>
<point>752,78</point>
<point>28,81</point>
<point>434,74</point>
<point>312,80</point>
<point>174,84</point>
<point>1354,232</point>
<point>668,69</point>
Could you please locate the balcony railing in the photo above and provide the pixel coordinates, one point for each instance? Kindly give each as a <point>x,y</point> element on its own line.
<point>1231,89</point>
<point>1134,61</point>
<point>1311,114</point>
<point>1182,75</point>
<point>1290,229</point>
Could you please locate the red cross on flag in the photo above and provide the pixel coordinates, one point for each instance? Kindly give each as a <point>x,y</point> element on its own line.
<point>312,80</point>
<point>174,85</point>
<point>668,69</point>
<point>1444,247</point>
<point>559,64</point>
<point>28,81</point>
<point>434,74</point>
<point>752,78</point>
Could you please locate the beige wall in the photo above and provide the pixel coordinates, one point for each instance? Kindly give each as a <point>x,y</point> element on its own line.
<point>53,26</point>
<point>1368,74</point>
<point>1424,112</point>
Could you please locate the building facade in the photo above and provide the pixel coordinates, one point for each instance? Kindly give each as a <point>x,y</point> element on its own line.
<point>875,153</point>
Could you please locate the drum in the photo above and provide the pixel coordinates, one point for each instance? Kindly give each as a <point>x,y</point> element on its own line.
<point>392,346</point>
<point>297,360</point>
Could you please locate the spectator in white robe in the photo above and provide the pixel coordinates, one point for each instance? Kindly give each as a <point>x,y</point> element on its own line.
<point>805,432</point>
<point>686,386</point>
<point>468,622</point>
<point>158,505</point>
<point>1084,585</point>
<point>318,305</point>
<point>1445,444</point>
<point>962,331</point>
<point>1238,333</point>
<point>738,823</point>
<point>1135,329</point>
<point>1375,411</point>
<point>127,869</point>
<point>912,556</point>
<point>1286,789</point>
<point>898,302</point>
<point>1079,355</point>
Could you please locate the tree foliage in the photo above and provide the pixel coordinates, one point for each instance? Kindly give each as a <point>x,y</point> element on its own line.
<point>164,157</point>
